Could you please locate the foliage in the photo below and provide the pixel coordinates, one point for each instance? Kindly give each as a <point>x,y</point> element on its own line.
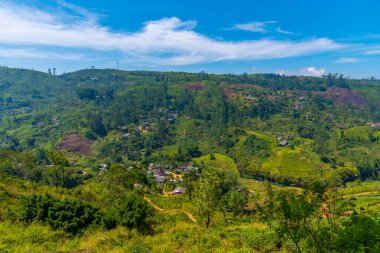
<point>72,216</point>
<point>207,197</point>
<point>360,234</point>
<point>134,211</point>
<point>210,130</point>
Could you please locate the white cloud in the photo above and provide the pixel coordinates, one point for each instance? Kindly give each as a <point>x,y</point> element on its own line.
<point>347,60</point>
<point>169,41</point>
<point>254,26</point>
<point>313,71</point>
<point>309,71</point>
<point>373,52</point>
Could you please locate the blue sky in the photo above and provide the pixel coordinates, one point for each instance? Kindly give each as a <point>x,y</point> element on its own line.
<point>257,36</point>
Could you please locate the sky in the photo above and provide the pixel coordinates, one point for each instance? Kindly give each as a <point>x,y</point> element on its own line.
<point>254,36</point>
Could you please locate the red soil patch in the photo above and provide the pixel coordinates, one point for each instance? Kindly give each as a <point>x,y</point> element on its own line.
<point>194,86</point>
<point>229,94</point>
<point>342,96</point>
<point>75,143</point>
<point>243,86</point>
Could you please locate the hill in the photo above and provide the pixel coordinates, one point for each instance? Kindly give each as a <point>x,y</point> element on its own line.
<point>243,155</point>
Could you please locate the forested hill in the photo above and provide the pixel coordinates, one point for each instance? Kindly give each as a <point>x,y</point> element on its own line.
<point>238,144</point>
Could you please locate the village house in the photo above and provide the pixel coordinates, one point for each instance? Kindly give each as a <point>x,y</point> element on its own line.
<point>160,174</point>
<point>136,185</point>
<point>284,143</point>
<point>178,191</point>
<point>102,167</point>
<point>299,105</point>
<point>374,124</point>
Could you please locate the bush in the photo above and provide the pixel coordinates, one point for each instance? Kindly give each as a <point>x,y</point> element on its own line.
<point>109,220</point>
<point>134,211</point>
<point>72,216</point>
<point>360,234</point>
<point>88,93</point>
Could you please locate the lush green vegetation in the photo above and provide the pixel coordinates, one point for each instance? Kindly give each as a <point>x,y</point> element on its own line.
<point>136,161</point>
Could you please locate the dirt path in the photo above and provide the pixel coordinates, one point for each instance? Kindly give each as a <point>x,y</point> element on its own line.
<point>359,194</point>
<point>153,205</point>
<point>189,215</point>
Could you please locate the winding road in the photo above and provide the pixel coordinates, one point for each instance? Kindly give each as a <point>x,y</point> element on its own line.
<point>189,215</point>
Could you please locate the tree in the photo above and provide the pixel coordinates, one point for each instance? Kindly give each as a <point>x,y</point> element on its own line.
<point>95,122</point>
<point>119,179</point>
<point>236,201</point>
<point>89,94</point>
<point>134,211</point>
<point>360,233</point>
<point>207,196</point>
<point>72,216</point>
<point>301,218</point>
<point>59,163</point>
<point>190,179</point>
<point>295,217</point>
<point>17,163</point>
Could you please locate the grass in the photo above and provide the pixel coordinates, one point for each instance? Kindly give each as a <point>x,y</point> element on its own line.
<point>178,236</point>
<point>32,238</point>
<point>258,187</point>
<point>360,133</point>
<point>295,163</point>
<point>221,162</point>
<point>364,195</point>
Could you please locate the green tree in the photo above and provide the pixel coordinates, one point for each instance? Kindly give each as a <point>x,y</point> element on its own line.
<point>360,233</point>
<point>72,216</point>
<point>207,196</point>
<point>59,164</point>
<point>236,201</point>
<point>134,211</point>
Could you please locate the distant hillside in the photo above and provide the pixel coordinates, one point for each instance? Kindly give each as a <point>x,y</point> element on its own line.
<point>34,87</point>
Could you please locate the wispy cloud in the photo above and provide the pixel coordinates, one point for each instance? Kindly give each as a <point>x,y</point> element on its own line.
<point>279,30</point>
<point>36,54</point>
<point>372,52</point>
<point>309,71</point>
<point>254,26</point>
<point>168,41</point>
<point>348,60</point>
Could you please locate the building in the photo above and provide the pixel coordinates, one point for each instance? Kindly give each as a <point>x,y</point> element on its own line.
<point>374,124</point>
<point>160,175</point>
<point>103,167</point>
<point>178,191</point>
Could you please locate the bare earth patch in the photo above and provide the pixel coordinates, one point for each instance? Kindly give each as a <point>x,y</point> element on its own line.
<point>194,86</point>
<point>342,96</point>
<point>229,94</point>
<point>73,142</point>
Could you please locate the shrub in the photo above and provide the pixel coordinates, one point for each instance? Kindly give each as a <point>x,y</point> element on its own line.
<point>109,220</point>
<point>134,211</point>
<point>72,216</point>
